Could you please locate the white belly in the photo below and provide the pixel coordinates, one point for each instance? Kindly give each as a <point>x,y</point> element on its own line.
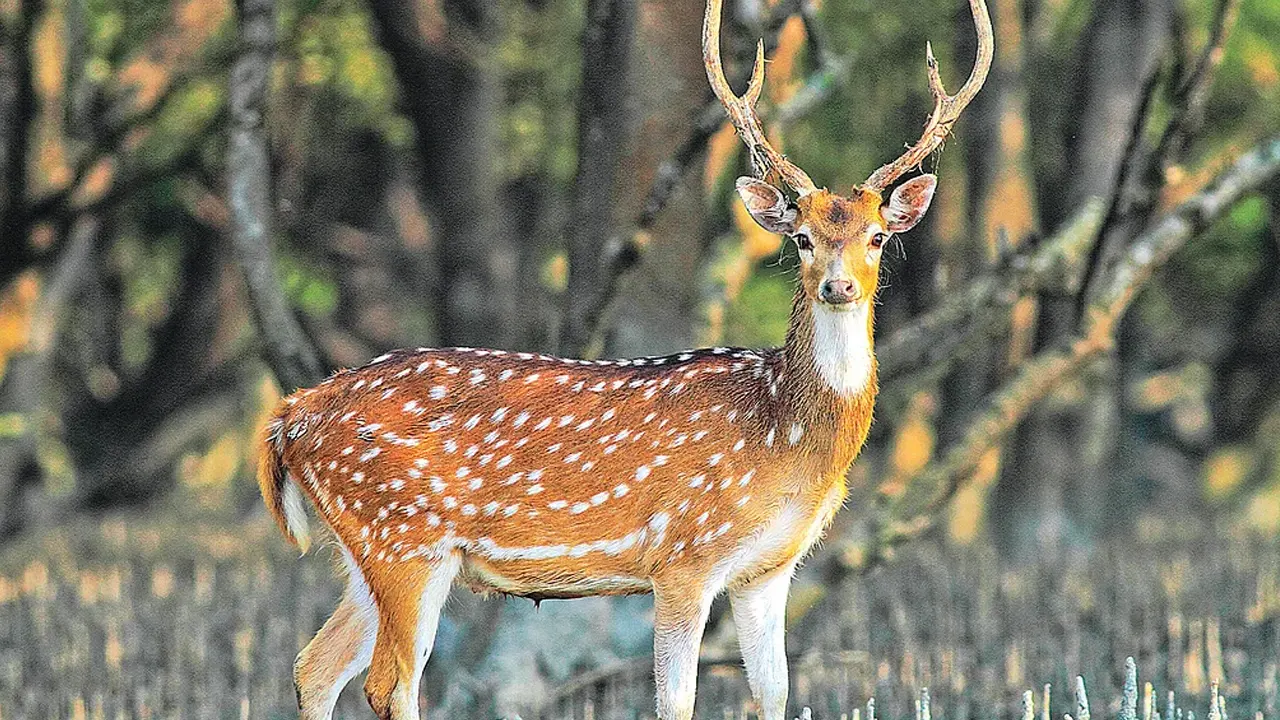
<point>524,579</point>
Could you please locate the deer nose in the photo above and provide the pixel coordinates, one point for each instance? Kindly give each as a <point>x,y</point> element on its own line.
<point>838,292</point>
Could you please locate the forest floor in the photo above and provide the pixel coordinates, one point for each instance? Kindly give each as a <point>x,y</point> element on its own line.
<point>138,618</point>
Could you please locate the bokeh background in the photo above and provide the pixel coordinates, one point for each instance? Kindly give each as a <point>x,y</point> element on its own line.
<point>1077,449</point>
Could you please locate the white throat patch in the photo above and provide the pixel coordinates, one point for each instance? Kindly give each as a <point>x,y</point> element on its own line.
<point>842,346</point>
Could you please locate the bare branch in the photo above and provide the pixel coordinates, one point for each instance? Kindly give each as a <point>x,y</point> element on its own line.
<point>1038,377</point>
<point>1193,91</point>
<point>1142,166</point>
<point>934,336</point>
<point>1133,177</point>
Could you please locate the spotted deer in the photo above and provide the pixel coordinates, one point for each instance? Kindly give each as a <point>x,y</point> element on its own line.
<point>686,475</point>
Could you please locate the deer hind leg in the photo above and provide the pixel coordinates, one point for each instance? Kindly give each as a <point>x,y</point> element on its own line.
<point>679,617</point>
<point>339,651</point>
<point>759,613</point>
<point>410,597</point>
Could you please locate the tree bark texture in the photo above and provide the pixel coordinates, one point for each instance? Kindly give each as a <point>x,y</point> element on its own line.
<point>657,307</point>
<point>289,352</point>
<point>1052,489</point>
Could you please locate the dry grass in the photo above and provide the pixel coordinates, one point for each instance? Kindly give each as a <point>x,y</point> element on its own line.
<point>122,621</point>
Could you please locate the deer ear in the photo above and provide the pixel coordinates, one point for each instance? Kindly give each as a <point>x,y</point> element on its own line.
<point>767,205</point>
<point>907,204</point>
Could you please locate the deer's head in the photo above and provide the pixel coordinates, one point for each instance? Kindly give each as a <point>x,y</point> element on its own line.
<point>839,238</point>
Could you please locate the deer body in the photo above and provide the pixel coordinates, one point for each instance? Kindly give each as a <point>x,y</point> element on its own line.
<point>540,477</point>
<point>686,476</point>
<point>558,478</point>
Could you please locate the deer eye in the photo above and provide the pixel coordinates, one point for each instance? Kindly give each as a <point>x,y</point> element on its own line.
<point>878,240</point>
<point>803,241</point>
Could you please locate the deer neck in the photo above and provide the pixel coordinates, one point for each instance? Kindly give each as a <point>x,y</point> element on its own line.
<point>829,376</point>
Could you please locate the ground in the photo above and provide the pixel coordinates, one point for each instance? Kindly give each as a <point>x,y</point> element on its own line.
<point>130,617</point>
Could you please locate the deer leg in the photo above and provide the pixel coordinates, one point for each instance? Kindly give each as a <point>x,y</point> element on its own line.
<point>759,613</point>
<point>679,617</point>
<point>410,599</point>
<point>339,651</point>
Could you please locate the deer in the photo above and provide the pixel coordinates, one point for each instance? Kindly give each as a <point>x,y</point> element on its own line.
<point>686,476</point>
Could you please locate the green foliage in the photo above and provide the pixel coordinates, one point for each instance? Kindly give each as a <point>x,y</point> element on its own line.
<point>1244,103</point>
<point>758,317</point>
<point>309,286</point>
<point>148,272</point>
<point>12,425</point>
<point>334,53</point>
<point>541,72</point>
<point>118,28</point>
<point>866,120</point>
<point>191,110</point>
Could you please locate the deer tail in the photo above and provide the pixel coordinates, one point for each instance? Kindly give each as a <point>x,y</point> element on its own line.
<point>280,492</point>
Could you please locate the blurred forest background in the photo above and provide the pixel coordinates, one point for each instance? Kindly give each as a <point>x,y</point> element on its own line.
<point>1079,347</point>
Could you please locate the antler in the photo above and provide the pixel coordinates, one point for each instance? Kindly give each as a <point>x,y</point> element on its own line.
<point>946,108</point>
<point>742,110</point>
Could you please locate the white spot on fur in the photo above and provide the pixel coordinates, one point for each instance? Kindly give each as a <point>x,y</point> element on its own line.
<point>797,432</point>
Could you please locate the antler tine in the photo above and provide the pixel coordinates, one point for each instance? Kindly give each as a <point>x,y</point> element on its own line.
<point>946,108</point>
<point>742,110</point>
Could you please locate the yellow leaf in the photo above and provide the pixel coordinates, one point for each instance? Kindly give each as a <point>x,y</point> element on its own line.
<point>757,242</point>
<point>1225,470</point>
<point>722,148</point>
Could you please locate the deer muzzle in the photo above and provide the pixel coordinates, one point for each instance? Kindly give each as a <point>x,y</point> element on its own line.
<point>839,291</point>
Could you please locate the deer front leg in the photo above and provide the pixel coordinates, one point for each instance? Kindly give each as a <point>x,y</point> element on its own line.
<point>679,617</point>
<point>759,613</point>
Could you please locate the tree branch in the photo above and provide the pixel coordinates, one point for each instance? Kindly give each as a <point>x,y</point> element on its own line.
<point>933,337</point>
<point>1142,168</point>
<point>1192,92</point>
<point>941,479</point>
<point>289,353</point>
<point>106,143</point>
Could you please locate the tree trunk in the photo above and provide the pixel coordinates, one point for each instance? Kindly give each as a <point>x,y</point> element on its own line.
<point>603,125</point>
<point>17,107</point>
<point>289,353</point>
<point>1054,490</point>
<point>1003,210</point>
<point>451,96</point>
<point>657,306</point>
<point>24,392</point>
